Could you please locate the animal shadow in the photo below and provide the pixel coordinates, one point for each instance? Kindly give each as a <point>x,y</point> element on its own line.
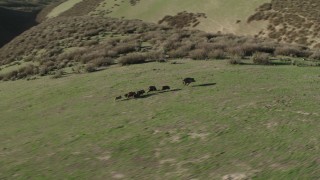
<point>157,92</point>
<point>171,90</point>
<point>204,85</point>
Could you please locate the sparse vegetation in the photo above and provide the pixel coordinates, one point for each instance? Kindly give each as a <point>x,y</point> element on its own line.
<point>290,21</point>
<point>103,40</point>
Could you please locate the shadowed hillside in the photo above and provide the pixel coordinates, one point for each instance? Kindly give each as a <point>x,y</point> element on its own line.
<point>25,5</point>
<point>13,23</point>
<point>16,16</point>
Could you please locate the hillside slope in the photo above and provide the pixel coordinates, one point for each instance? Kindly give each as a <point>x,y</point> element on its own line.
<point>250,122</point>
<point>291,21</point>
<point>221,15</point>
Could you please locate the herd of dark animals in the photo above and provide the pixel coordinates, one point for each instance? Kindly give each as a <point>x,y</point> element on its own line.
<point>138,94</point>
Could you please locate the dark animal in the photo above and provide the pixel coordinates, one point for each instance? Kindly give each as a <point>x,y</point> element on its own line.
<point>187,81</point>
<point>141,92</point>
<point>117,98</point>
<point>130,95</point>
<point>152,88</point>
<point>165,88</point>
<point>137,95</point>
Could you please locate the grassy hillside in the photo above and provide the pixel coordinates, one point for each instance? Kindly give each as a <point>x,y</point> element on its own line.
<point>291,21</point>
<point>258,119</point>
<point>221,15</point>
<point>88,43</point>
<point>258,122</point>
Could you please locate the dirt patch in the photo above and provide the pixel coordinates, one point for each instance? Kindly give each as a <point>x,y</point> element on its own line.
<point>104,158</point>
<point>271,125</point>
<point>235,176</point>
<point>170,161</point>
<point>175,139</point>
<point>201,136</point>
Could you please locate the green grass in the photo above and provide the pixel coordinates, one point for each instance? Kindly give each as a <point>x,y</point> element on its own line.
<point>256,121</point>
<point>222,15</point>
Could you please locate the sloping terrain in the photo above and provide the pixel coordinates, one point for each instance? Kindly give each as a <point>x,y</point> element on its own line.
<point>253,112</point>
<point>291,21</point>
<point>89,43</point>
<point>285,21</point>
<point>222,16</point>
<point>249,122</point>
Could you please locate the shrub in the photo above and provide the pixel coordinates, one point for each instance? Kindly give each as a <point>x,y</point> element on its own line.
<point>178,53</point>
<point>236,51</point>
<point>261,58</point>
<point>132,58</point>
<point>112,53</point>
<point>290,51</point>
<point>250,49</point>
<point>92,55</point>
<point>102,62</point>
<point>90,68</point>
<point>235,60</point>
<point>43,71</point>
<point>125,48</point>
<point>198,54</point>
<point>315,55</point>
<point>217,54</point>
<point>21,73</point>
<point>154,56</point>
<point>58,74</point>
